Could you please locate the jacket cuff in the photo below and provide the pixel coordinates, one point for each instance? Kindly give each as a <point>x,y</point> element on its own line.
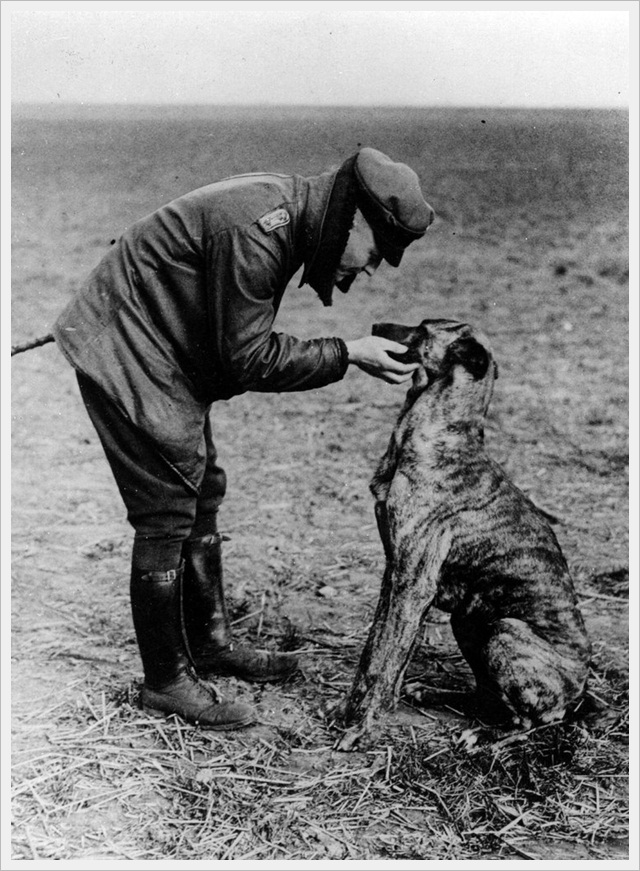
<point>344,356</point>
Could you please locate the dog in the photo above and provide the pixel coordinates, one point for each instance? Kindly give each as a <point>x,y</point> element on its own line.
<point>459,536</point>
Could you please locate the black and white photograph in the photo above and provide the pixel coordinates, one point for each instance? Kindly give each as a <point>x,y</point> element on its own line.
<point>319,435</point>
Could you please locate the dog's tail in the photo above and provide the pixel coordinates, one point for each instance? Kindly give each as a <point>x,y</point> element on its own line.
<point>34,343</point>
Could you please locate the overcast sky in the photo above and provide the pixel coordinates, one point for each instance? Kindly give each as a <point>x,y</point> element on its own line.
<point>516,54</point>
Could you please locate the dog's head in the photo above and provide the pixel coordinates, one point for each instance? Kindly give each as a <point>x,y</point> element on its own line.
<point>441,347</point>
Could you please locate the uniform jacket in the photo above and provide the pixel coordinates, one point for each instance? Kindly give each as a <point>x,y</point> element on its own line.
<point>180,311</point>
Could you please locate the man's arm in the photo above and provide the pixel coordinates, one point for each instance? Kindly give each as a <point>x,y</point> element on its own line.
<point>247,278</point>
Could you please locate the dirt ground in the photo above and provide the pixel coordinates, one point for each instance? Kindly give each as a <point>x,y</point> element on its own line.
<point>530,245</point>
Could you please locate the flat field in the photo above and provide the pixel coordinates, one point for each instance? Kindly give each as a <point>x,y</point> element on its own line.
<point>530,244</point>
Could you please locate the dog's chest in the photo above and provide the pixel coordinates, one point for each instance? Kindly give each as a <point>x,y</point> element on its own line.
<point>431,470</point>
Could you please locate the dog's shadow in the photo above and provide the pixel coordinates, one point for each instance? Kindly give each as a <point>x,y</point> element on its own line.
<point>439,680</point>
<point>461,707</point>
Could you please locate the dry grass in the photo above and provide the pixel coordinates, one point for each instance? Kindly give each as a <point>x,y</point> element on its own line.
<point>109,782</point>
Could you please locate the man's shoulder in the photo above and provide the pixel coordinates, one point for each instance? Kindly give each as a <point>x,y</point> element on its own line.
<point>248,188</point>
<point>243,200</point>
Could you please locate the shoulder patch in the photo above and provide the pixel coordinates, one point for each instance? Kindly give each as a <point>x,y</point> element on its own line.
<point>272,220</point>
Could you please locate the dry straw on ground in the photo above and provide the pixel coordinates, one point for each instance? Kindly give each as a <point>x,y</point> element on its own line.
<point>117,784</point>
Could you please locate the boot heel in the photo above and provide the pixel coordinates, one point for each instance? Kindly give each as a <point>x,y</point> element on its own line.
<point>154,712</point>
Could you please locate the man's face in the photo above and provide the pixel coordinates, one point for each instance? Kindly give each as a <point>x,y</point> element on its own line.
<point>360,255</point>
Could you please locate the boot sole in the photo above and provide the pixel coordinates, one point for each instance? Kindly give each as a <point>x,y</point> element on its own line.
<point>206,673</point>
<point>222,727</point>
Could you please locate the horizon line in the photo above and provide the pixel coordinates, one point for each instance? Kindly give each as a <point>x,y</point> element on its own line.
<point>229,105</point>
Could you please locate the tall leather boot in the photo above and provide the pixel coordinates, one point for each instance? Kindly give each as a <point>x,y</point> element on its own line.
<point>170,684</point>
<point>207,622</point>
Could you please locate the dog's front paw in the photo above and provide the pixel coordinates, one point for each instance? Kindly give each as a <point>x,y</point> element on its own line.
<point>347,741</point>
<point>356,731</point>
<point>358,737</point>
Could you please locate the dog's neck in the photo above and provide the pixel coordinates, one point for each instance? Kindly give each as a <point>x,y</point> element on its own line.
<point>453,406</point>
<point>442,418</point>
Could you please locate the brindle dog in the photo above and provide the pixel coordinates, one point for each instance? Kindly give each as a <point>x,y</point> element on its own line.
<point>460,536</point>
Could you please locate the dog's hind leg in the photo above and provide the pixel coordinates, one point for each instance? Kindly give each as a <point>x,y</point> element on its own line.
<point>522,679</point>
<point>406,594</point>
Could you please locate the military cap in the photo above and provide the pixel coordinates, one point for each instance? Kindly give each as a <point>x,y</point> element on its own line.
<point>390,198</point>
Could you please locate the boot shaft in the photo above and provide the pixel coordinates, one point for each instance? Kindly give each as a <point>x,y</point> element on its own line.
<point>205,609</point>
<point>207,622</point>
<point>156,607</point>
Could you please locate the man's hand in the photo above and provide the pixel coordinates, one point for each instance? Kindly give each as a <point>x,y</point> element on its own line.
<point>370,355</point>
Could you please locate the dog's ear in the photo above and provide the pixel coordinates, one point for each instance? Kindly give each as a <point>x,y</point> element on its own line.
<point>471,354</point>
